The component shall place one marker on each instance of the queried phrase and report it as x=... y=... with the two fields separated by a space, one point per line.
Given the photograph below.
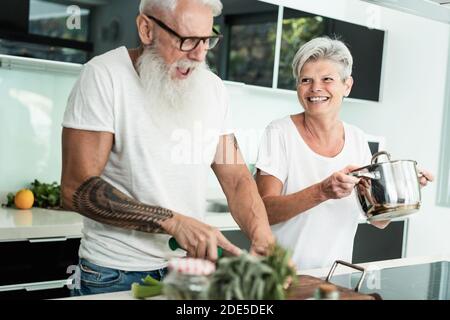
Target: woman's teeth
x=317 y=99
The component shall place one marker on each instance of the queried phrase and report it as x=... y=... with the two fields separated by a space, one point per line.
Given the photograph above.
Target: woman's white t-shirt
x=325 y=233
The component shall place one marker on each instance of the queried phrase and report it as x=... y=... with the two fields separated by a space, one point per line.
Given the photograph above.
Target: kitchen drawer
x=42 y=263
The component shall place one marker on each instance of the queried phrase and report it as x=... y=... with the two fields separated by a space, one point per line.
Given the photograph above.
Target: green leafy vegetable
x=149 y=288
x=10 y=198
x=47 y=195
x=253 y=278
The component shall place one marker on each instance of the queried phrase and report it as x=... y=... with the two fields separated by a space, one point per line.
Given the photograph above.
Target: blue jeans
x=96 y=279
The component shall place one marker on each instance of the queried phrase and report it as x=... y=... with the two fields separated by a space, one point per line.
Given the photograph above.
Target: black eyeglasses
x=190 y=43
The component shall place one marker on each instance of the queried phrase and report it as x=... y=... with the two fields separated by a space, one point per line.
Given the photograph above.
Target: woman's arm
x=283 y=207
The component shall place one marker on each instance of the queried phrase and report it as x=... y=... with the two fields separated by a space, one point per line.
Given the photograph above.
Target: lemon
x=24 y=199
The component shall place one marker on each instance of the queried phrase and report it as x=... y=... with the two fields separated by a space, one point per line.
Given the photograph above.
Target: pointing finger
x=227 y=245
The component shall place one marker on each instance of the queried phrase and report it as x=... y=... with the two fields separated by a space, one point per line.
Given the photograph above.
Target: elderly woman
x=304 y=159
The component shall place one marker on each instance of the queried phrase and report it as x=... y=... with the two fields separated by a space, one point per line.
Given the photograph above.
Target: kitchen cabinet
x=373 y=244
x=370 y=244
x=40 y=263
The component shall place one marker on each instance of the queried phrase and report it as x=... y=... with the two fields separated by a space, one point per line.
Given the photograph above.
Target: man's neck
x=135 y=53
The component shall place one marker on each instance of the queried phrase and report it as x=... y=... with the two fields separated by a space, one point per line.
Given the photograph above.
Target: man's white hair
x=148 y=5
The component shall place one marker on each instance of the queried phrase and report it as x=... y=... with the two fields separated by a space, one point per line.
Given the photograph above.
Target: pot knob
x=378 y=154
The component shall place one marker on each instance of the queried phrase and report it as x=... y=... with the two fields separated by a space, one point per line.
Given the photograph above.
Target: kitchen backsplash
x=32 y=104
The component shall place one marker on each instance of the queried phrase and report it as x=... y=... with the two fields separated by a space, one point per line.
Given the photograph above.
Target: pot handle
x=375 y=175
x=378 y=154
x=358 y=285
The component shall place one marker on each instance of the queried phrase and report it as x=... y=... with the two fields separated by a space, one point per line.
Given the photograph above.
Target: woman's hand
x=339 y=184
x=425 y=177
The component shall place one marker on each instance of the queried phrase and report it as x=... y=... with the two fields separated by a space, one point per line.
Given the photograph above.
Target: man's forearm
x=248 y=209
x=102 y=202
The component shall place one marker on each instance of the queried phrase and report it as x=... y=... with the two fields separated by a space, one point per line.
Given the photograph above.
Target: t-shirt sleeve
x=272 y=157
x=227 y=124
x=90 y=105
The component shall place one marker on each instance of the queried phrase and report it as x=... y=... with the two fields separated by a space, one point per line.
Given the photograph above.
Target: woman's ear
x=348 y=86
x=145 y=29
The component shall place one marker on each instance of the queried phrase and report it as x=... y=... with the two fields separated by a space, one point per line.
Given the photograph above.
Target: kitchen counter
x=322 y=273
x=16 y=225
x=43 y=223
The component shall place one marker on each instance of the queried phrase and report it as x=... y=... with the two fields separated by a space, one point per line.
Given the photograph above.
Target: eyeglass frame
x=182 y=39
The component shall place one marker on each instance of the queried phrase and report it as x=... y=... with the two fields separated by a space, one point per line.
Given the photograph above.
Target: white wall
x=409 y=115
x=31 y=109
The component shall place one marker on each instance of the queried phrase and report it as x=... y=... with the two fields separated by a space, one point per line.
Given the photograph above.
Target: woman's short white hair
x=323 y=48
x=148 y=5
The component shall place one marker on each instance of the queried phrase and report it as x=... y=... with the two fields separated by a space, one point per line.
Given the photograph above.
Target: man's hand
x=262 y=246
x=197 y=238
x=339 y=184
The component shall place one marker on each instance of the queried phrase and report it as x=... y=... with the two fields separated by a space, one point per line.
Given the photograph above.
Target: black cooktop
x=429 y=281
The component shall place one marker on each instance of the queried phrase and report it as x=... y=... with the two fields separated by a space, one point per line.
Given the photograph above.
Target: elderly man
x=141 y=129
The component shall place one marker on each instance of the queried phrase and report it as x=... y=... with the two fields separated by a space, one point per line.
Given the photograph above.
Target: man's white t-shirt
x=150 y=160
x=325 y=233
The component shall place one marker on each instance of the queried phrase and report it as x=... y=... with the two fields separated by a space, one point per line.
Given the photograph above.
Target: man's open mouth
x=184 y=71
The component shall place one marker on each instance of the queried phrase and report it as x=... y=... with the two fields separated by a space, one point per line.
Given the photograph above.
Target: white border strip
x=276 y=63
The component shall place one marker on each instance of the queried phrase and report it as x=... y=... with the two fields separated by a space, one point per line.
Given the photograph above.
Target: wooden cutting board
x=306 y=285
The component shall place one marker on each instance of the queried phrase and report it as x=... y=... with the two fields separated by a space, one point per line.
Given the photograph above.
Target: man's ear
x=145 y=29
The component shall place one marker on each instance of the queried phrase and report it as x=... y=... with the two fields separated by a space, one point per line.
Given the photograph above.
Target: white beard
x=175 y=102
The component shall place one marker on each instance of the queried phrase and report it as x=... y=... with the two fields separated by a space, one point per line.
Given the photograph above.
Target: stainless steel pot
x=389 y=189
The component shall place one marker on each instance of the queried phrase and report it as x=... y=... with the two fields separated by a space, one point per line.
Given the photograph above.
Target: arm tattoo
x=98 y=200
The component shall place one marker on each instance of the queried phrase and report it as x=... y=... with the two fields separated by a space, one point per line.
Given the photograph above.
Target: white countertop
x=38 y=223
x=16 y=225
x=321 y=273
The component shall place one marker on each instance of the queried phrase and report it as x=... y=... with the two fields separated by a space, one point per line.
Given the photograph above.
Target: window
x=247 y=51
x=298 y=28
x=50 y=19
x=45 y=30
x=249 y=47
x=366 y=46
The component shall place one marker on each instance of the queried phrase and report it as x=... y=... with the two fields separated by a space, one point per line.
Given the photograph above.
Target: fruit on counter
x=247 y=277
x=24 y=199
x=46 y=195
x=148 y=288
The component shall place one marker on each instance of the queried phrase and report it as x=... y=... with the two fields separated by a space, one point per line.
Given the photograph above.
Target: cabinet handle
x=38 y=240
